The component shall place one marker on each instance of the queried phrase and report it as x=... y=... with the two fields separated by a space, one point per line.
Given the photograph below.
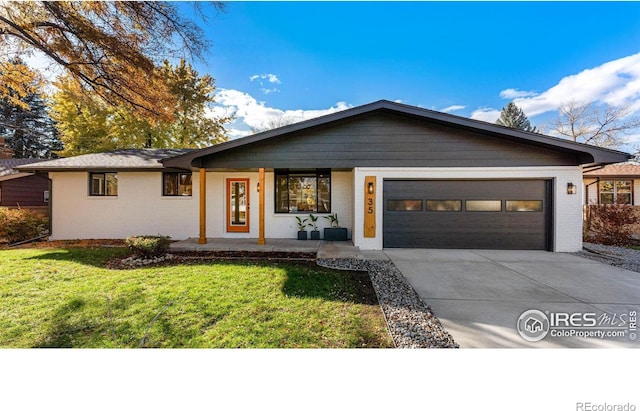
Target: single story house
x=396 y=175
x=613 y=183
x=23 y=189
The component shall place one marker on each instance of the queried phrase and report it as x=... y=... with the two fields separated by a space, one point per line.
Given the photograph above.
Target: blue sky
x=303 y=59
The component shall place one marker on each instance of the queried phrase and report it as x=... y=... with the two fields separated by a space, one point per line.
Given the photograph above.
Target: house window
x=176 y=184
x=103 y=184
x=615 y=192
x=303 y=191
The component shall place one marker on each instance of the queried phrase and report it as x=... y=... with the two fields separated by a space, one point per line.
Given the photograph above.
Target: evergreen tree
x=512 y=116
x=25 y=122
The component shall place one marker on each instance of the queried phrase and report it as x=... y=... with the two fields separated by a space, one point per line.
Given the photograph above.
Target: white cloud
x=454 y=107
x=512 y=93
x=270 y=90
x=616 y=82
x=251 y=113
x=487 y=114
x=271 y=78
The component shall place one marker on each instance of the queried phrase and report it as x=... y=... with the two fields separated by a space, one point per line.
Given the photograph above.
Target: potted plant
x=335 y=232
x=315 y=234
x=302 y=225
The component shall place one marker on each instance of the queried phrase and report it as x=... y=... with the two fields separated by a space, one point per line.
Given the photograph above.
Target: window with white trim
x=615 y=191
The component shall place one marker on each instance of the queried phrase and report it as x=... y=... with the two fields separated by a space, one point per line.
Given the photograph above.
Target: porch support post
x=203 y=207
x=261 y=240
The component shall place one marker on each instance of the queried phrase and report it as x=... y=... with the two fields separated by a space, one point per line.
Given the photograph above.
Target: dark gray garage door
x=487 y=214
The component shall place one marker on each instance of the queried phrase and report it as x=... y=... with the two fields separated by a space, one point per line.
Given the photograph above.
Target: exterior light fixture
x=258 y=187
x=370 y=187
x=571 y=188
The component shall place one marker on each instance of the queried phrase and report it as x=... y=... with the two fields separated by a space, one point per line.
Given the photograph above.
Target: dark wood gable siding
x=385 y=140
x=24 y=191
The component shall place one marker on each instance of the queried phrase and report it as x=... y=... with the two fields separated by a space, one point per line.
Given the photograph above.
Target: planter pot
x=335 y=234
x=315 y=235
x=302 y=235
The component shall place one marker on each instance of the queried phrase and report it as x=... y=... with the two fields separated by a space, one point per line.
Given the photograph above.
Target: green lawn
x=66 y=298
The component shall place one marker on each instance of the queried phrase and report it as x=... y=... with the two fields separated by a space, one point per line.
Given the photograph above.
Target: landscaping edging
x=411 y=323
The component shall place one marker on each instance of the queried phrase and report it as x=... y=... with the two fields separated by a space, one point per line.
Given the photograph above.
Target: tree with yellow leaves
x=111 y=48
x=87 y=124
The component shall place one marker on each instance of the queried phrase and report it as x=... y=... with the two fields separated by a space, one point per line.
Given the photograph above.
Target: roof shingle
x=147 y=158
x=7 y=165
x=618 y=169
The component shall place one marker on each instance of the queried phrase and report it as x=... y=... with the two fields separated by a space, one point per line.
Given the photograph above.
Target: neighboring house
x=22 y=189
x=396 y=175
x=613 y=183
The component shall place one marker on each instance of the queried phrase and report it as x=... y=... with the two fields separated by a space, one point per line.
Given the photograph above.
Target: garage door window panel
x=444 y=205
x=483 y=206
x=404 y=205
x=524 y=205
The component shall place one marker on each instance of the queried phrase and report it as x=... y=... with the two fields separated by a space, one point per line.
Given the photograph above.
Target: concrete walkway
x=247 y=244
x=323 y=249
x=479 y=295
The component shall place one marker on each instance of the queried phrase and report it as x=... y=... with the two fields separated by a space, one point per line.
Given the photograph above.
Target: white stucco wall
x=276 y=225
x=138 y=209
x=567 y=213
x=141 y=209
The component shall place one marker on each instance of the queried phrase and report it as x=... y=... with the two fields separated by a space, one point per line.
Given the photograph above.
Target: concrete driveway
x=479 y=296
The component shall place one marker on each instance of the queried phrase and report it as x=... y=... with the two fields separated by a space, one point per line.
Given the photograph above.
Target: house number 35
x=370 y=206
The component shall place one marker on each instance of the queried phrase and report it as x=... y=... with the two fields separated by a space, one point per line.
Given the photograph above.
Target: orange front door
x=238 y=205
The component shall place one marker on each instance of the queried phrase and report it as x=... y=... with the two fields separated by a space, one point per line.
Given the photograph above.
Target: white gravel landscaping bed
x=411 y=323
x=626 y=258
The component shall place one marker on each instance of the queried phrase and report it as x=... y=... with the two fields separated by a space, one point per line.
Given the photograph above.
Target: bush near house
x=611 y=224
x=21 y=224
x=148 y=245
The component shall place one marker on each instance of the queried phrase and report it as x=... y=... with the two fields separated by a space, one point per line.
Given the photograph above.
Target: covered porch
x=322 y=249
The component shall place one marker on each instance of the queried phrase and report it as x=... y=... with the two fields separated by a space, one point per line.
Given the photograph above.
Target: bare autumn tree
x=275 y=121
x=603 y=126
x=110 y=47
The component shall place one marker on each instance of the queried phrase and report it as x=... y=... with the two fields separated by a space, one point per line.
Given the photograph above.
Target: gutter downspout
x=50 y=205
x=586 y=191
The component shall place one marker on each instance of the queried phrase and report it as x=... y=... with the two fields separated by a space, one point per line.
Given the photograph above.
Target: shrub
x=21 y=224
x=148 y=245
x=610 y=224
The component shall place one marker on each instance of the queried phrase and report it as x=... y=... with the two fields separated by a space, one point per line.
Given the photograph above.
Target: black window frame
x=104 y=183
x=317 y=173
x=177 y=175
